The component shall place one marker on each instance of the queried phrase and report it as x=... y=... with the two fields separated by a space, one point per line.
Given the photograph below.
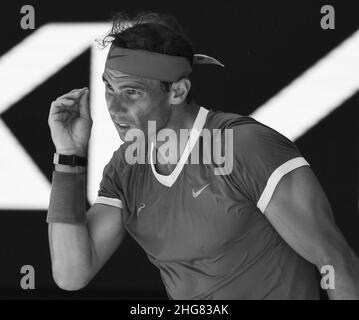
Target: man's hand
x=70 y=122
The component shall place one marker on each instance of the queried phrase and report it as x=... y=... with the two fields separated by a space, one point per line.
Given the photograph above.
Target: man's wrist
x=69 y=169
x=68 y=152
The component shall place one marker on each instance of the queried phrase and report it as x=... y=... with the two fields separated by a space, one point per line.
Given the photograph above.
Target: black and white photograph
x=179 y=150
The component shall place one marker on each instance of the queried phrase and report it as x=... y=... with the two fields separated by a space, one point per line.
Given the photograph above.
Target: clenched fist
x=70 y=122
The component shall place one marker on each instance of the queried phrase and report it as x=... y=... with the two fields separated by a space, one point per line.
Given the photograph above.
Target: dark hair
x=153 y=32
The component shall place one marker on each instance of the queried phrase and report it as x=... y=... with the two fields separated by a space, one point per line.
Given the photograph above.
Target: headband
x=153 y=65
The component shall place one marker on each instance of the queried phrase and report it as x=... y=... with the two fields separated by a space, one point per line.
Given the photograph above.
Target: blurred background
x=281 y=67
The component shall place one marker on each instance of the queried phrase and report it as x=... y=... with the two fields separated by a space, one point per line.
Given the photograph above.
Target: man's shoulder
x=247 y=131
x=246 y=125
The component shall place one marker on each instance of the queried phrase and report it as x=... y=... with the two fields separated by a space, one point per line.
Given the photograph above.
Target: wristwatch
x=70 y=160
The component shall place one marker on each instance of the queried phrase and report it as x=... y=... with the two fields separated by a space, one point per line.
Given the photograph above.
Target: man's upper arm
x=106 y=229
x=270 y=170
x=301 y=214
x=106 y=217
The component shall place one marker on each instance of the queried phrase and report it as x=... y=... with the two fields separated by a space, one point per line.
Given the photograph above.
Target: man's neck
x=182 y=117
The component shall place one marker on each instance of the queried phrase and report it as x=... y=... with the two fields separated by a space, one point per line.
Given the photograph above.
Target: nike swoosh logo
x=140 y=208
x=195 y=194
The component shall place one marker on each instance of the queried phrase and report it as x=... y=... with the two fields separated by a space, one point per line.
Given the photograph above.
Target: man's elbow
x=340 y=258
x=71 y=281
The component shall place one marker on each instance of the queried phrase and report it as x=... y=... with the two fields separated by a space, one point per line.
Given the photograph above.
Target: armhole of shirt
x=109 y=201
x=274 y=179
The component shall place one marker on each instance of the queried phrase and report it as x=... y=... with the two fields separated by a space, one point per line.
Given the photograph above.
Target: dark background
x=264 y=45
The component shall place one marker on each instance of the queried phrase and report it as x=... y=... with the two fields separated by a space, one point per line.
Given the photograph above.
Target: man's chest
x=198 y=216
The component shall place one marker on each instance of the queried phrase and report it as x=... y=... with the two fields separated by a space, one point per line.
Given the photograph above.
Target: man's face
x=133 y=101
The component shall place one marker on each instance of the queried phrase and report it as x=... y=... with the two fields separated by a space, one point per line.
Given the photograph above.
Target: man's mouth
x=122 y=126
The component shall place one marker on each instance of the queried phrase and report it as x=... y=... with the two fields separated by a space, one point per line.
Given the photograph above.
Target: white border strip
x=169 y=180
x=40 y=55
x=20 y=173
x=314 y=94
x=109 y=201
x=275 y=178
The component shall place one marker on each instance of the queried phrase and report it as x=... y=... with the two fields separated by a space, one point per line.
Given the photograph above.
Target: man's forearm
x=69 y=169
x=70 y=243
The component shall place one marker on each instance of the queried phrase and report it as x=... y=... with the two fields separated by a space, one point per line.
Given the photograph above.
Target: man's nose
x=116 y=107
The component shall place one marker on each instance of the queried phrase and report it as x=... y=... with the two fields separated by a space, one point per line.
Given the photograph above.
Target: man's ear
x=179 y=91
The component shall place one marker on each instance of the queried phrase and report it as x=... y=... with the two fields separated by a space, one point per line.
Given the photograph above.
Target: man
x=254 y=231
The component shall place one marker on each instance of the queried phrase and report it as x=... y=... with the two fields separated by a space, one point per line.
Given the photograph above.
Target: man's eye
x=132 y=92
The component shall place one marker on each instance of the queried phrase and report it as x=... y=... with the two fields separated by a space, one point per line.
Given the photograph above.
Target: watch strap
x=70 y=160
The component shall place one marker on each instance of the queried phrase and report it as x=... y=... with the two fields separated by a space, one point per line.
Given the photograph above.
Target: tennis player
x=255 y=226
